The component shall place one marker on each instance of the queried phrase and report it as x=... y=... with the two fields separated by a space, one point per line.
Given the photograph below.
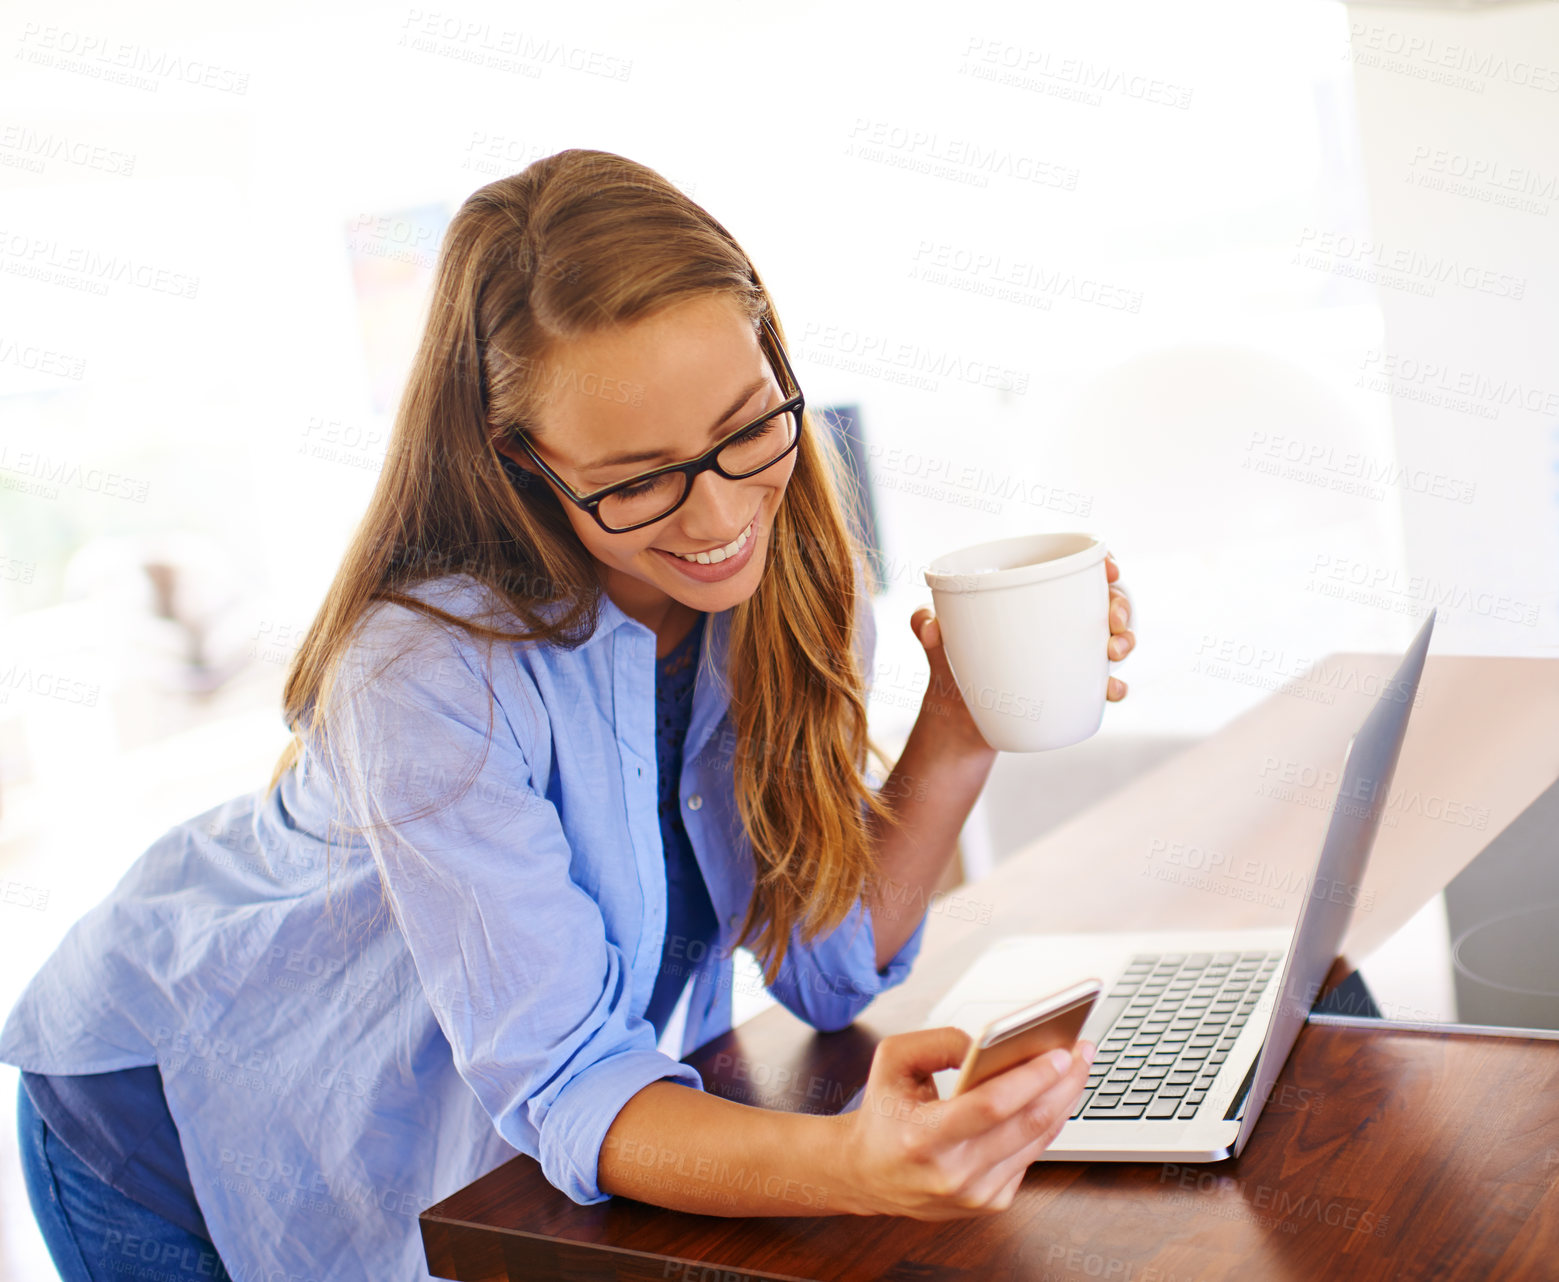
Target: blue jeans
x=94 y=1232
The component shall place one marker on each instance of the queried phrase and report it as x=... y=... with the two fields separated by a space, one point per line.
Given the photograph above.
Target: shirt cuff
x=575 y=1126
x=898 y=967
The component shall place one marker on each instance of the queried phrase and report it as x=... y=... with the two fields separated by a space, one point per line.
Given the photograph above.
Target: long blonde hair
x=575 y=242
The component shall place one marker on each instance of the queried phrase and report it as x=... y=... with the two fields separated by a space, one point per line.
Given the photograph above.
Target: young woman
x=583 y=710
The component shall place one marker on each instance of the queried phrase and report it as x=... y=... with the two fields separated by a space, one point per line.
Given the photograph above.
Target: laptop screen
x=1368 y=766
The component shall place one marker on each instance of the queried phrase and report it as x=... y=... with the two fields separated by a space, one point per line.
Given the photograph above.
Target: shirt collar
x=711 y=691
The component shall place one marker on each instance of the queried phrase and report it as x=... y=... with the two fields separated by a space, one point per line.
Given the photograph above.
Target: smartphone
x=1038 y=1027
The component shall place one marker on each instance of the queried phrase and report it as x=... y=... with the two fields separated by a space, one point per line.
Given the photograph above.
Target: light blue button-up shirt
x=351 y=1028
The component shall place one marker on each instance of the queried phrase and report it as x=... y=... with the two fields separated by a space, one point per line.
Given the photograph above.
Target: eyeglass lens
x=750 y=451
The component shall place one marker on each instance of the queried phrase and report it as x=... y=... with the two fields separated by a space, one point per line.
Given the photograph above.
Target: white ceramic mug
x=1026 y=625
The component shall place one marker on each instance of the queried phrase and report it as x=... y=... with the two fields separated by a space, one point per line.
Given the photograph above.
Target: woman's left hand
x=942 y=700
x=1122 y=642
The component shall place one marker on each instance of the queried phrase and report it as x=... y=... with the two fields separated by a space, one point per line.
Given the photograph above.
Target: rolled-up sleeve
x=834 y=978
x=512 y=954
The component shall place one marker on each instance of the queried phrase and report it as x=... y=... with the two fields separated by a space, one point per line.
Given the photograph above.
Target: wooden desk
x=1380 y=1155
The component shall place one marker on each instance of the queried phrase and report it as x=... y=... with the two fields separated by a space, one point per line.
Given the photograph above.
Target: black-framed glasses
x=654 y=495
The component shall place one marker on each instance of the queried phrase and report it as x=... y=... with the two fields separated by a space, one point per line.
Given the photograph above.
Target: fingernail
x=1089 y=1050
x=1061 y=1060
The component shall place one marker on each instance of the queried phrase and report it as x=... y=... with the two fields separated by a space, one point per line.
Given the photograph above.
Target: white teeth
x=719 y=554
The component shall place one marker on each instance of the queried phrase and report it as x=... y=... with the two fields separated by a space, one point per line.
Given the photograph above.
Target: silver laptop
x=1194 y=1027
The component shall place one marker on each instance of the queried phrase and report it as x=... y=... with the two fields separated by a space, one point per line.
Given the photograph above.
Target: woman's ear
x=515 y=454
x=515 y=463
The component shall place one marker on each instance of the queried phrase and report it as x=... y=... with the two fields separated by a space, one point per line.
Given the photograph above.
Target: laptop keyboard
x=1175 y=1017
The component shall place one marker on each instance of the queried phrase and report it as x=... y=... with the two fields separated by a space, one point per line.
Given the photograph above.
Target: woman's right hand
x=910 y=1153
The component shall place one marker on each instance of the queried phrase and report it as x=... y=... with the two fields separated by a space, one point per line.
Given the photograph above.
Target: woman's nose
x=716 y=510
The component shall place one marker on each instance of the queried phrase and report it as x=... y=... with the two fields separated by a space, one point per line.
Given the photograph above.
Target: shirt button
x=694 y=802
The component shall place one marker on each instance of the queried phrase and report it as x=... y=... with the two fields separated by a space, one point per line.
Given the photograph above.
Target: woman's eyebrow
x=650 y=456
